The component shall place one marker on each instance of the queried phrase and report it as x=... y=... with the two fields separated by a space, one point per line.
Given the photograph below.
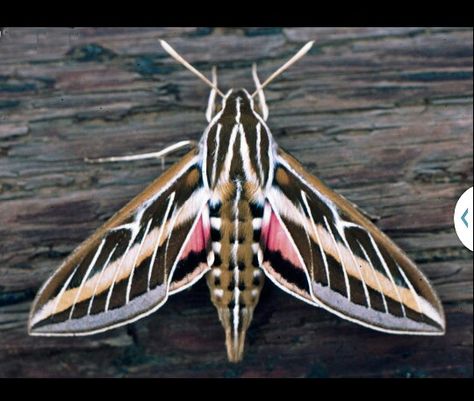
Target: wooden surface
x=383 y=115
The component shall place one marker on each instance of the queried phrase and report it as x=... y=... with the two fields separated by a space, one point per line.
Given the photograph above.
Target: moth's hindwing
x=320 y=248
x=155 y=246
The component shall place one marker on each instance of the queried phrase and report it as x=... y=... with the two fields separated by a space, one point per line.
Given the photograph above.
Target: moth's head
x=238 y=101
x=233 y=94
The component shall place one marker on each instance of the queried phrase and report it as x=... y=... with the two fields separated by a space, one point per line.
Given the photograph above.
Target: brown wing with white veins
x=321 y=249
x=155 y=246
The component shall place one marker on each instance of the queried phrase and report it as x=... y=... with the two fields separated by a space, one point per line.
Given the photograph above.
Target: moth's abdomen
x=236 y=260
x=235 y=279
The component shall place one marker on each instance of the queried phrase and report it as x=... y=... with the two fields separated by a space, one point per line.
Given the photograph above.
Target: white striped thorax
x=236 y=208
x=247 y=144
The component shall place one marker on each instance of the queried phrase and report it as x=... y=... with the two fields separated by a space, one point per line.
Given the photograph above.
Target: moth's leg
x=153 y=155
x=211 y=103
x=261 y=96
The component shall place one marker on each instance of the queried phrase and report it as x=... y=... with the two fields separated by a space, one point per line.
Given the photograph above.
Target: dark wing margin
x=351 y=268
x=155 y=246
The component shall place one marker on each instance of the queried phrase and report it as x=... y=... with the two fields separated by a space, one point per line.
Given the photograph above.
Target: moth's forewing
x=124 y=271
x=328 y=250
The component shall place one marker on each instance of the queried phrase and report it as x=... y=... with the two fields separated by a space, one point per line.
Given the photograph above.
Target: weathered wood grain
x=383 y=115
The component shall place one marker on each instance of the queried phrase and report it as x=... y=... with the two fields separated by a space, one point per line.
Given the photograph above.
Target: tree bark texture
x=383 y=115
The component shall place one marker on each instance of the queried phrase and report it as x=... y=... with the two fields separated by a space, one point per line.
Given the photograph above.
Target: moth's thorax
x=237 y=144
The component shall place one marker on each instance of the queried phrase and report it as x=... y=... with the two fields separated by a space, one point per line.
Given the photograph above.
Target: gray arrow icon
x=463 y=218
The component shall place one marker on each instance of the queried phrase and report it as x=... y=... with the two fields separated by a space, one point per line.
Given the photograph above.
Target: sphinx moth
x=237 y=209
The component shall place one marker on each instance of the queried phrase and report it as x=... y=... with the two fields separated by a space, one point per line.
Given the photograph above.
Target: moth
x=237 y=209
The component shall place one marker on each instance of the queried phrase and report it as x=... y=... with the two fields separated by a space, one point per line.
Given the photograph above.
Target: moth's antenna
x=182 y=61
x=287 y=65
